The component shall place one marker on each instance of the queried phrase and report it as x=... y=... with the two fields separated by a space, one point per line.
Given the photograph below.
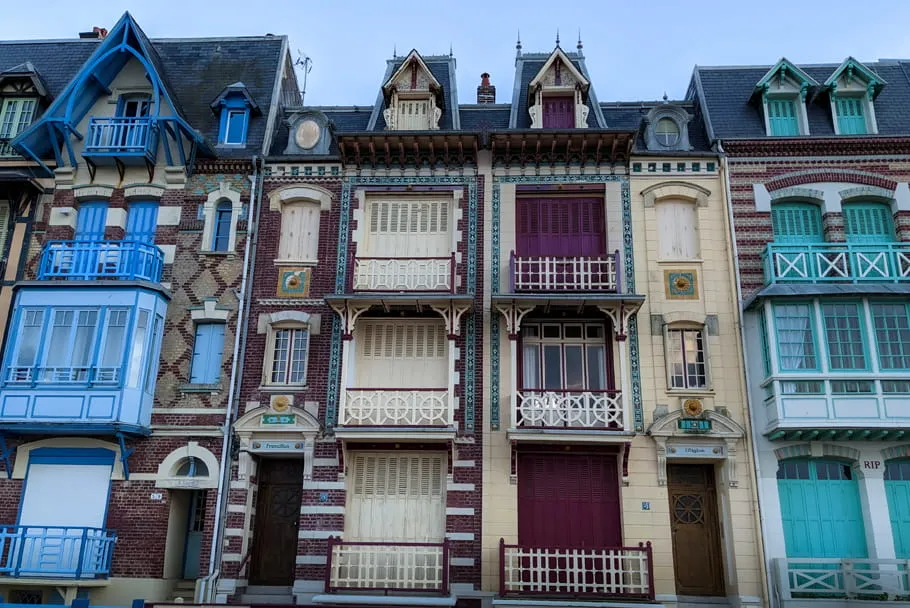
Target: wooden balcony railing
x=405 y=274
x=564 y=274
x=542 y=408
x=122 y=136
x=91 y=260
x=837 y=263
x=399 y=407
x=851 y=579
x=387 y=566
x=49 y=552
x=6 y=150
x=69 y=376
x=615 y=572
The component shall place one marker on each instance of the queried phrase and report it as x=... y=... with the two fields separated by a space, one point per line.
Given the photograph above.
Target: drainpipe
x=205 y=592
x=754 y=471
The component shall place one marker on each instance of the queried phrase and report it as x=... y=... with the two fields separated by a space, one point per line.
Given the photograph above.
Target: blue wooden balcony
x=837 y=263
x=121 y=140
x=49 y=552
x=94 y=260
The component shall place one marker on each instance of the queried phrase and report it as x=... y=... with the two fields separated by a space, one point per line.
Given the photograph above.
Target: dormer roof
x=413 y=61
x=28 y=72
x=440 y=72
x=855 y=69
x=238 y=88
x=785 y=69
x=559 y=55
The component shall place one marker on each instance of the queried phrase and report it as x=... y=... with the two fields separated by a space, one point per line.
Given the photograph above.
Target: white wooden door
x=402 y=354
x=396 y=496
x=409 y=228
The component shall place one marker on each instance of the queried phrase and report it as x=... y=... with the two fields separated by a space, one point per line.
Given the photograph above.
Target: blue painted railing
x=48 y=552
x=837 y=263
x=122 y=136
x=88 y=260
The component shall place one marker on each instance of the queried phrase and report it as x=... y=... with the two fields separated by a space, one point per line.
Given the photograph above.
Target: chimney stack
x=97 y=33
x=486 y=92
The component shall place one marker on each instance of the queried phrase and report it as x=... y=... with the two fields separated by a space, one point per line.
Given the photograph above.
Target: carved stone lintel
x=513 y=314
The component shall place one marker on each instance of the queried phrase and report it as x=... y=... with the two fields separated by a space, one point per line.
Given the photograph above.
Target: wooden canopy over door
x=274 y=553
x=697 y=556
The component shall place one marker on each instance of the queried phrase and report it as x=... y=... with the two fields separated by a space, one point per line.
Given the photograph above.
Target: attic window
x=667 y=132
x=853 y=88
x=234 y=106
x=783 y=91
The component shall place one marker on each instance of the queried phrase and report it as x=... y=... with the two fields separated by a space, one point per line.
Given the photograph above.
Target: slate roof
x=726 y=96
x=485 y=117
x=631 y=115
x=196 y=70
x=443 y=69
x=527 y=65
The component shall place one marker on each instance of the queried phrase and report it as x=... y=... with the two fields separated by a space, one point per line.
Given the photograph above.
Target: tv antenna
x=306 y=64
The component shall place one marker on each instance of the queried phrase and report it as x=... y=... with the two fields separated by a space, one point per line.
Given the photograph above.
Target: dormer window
x=783 y=90
x=558 y=95
x=667 y=132
x=852 y=88
x=413 y=97
x=667 y=128
x=16 y=114
x=235 y=106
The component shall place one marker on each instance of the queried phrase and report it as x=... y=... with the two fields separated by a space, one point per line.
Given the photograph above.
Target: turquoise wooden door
x=897 y=489
x=820 y=506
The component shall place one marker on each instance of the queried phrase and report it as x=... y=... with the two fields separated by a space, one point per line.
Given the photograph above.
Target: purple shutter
x=560 y=227
x=559 y=112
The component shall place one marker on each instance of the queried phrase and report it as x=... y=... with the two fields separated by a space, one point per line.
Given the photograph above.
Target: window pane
x=236 y=121
x=575 y=379
x=280 y=355
x=151 y=371
x=137 y=348
x=222 y=227
x=696 y=376
x=32 y=321
x=59 y=346
x=845 y=339
x=892 y=335
x=552 y=365
x=597 y=369
x=112 y=353
x=675 y=359
x=298 y=357
x=85 y=338
x=795 y=340
x=530 y=366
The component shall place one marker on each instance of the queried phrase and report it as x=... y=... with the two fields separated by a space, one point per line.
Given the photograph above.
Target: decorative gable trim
x=558 y=53
x=417 y=106
x=412 y=57
x=236 y=89
x=26 y=72
x=783 y=69
x=854 y=69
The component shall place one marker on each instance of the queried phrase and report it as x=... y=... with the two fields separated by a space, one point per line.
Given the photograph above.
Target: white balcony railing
x=564 y=274
x=404 y=274
x=617 y=572
x=851 y=579
x=384 y=566
x=396 y=407
x=569 y=409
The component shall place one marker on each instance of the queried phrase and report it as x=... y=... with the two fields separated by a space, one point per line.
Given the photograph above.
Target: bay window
x=565 y=357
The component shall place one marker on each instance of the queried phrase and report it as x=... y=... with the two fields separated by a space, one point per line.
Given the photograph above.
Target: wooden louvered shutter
x=141 y=222
x=797 y=223
x=851 y=119
x=402 y=355
x=868 y=223
x=90 y=221
x=410 y=228
x=560 y=227
x=396 y=496
x=677 y=229
x=782 y=117
x=299 y=239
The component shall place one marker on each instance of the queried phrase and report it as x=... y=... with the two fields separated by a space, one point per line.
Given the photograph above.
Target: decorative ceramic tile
x=681 y=284
x=293 y=282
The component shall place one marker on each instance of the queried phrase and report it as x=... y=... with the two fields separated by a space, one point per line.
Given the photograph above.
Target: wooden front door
x=697 y=556
x=277 y=520
x=568 y=500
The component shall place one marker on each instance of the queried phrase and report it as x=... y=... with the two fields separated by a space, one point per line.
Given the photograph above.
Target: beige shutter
x=416 y=228
x=402 y=354
x=299 y=232
x=413 y=114
x=396 y=496
x=677 y=229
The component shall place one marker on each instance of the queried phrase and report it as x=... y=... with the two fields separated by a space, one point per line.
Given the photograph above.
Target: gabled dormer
x=22 y=92
x=783 y=90
x=118 y=111
x=852 y=89
x=558 y=95
x=413 y=97
x=234 y=106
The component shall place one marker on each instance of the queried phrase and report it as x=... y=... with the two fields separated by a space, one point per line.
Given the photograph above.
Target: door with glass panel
x=566 y=377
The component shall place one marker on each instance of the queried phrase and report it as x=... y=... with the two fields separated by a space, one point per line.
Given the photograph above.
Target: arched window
x=192 y=467
x=667 y=132
x=222 y=233
x=797 y=223
x=868 y=222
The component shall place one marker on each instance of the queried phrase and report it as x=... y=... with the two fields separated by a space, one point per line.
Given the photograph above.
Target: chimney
x=486 y=93
x=97 y=33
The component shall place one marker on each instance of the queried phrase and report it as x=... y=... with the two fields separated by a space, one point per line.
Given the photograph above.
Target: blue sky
x=634 y=50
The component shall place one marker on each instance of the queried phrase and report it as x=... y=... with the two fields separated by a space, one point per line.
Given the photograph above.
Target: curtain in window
x=530 y=366
x=795 y=339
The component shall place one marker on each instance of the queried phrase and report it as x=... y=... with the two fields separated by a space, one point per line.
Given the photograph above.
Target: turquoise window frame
x=897 y=348
x=232 y=106
x=806 y=229
x=763 y=341
x=862 y=232
x=826 y=316
x=851 y=114
x=779 y=123
x=813 y=329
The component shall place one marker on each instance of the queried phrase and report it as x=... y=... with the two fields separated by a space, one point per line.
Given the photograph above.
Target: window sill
x=227 y=254
x=296 y=262
x=691 y=392
x=282 y=388
x=226 y=146
x=200 y=388
x=680 y=261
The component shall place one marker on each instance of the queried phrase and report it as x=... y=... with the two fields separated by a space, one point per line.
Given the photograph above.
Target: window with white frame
x=677 y=225
x=687 y=365
x=16 y=114
x=564 y=357
x=299 y=239
x=288 y=351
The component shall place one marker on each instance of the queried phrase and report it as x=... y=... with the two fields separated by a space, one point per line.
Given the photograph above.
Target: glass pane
x=892 y=335
x=112 y=353
x=137 y=348
x=696 y=376
x=844 y=336
x=59 y=347
x=235 y=123
x=530 y=366
x=597 y=369
x=280 y=355
x=572 y=332
x=552 y=366
x=298 y=357
x=675 y=359
x=575 y=370
x=795 y=340
x=151 y=361
x=32 y=320
x=85 y=338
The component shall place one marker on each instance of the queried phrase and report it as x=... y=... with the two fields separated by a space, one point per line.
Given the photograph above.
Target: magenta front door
x=568 y=500
x=559 y=112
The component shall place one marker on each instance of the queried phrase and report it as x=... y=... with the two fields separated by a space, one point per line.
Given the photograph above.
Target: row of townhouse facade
x=549 y=352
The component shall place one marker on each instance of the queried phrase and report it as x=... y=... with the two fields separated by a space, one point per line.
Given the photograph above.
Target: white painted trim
x=467 y=464
x=460 y=511
x=167 y=470
x=170 y=253
x=116 y=218
x=458 y=487
x=300 y=193
x=224 y=192
x=169 y=216
x=311 y=560
x=319 y=534
x=22 y=452
x=460 y=535
x=466 y=562
x=209 y=312
x=143 y=191
x=326 y=485
x=321 y=510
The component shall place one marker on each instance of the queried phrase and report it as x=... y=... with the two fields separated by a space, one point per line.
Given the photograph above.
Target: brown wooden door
x=277 y=519
x=568 y=500
x=697 y=556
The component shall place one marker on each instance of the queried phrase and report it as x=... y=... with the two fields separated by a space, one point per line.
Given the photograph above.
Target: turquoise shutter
x=782 y=117
x=897 y=491
x=868 y=223
x=90 y=221
x=141 y=222
x=851 y=119
x=797 y=222
x=208 y=351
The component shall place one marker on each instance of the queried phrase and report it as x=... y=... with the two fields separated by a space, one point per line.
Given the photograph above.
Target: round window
x=667 y=132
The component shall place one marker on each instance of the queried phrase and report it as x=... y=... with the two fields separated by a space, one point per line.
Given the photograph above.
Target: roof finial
x=557 y=37
x=580 y=45
x=450 y=50
x=394 y=51
x=665 y=97
x=518 y=44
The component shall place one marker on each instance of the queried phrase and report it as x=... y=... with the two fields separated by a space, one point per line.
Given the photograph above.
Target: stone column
x=871 y=481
